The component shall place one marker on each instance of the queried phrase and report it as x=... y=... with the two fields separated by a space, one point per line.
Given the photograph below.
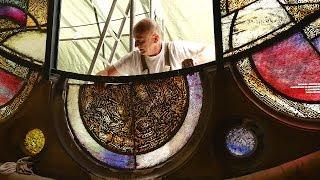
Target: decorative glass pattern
x=22 y=38
x=316 y=43
x=241 y=142
x=23 y=29
x=13 y=105
x=299 y=9
x=135 y=125
x=15 y=86
x=312 y=30
x=292 y=67
x=9 y=86
x=246 y=24
x=137 y=118
x=34 y=142
x=273 y=99
x=284 y=75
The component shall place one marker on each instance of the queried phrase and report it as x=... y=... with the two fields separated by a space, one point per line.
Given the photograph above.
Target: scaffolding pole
x=101 y=40
x=119 y=35
x=132 y=21
x=151 y=10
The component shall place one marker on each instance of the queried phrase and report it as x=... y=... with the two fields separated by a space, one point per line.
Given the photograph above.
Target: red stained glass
x=14 y=13
x=9 y=86
x=291 y=67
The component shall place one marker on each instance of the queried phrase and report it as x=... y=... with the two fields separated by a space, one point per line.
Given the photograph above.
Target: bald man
x=154 y=56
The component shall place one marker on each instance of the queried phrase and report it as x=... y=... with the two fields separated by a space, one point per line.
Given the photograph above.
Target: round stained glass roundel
x=241 y=142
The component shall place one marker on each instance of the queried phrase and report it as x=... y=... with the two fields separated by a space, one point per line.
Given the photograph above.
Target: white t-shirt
x=131 y=63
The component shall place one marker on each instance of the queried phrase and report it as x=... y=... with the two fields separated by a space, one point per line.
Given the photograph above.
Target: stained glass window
x=276 y=44
x=15 y=86
x=248 y=23
x=22 y=41
x=241 y=142
x=135 y=125
x=23 y=29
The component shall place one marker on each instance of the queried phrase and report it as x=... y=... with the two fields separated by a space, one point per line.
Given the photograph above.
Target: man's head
x=147 y=37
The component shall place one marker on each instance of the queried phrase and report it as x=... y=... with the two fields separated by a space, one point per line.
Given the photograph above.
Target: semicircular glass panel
x=134 y=125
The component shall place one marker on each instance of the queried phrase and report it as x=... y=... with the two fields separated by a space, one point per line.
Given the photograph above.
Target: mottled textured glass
x=135 y=118
x=300 y=11
x=9 y=86
x=23 y=29
x=13 y=105
x=34 y=142
x=238 y=4
x=241 y=142
x=316 y=43
x=251 y=23
x=292 y=67
x=146 y=148
x=22 y=36
x=313 y=29
x=87 y=141
x=273 y=99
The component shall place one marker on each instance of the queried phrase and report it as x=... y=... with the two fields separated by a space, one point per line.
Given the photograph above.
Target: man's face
x=146 y=43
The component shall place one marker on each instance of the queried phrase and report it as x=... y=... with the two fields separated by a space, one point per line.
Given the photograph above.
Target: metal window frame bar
x=52 y=40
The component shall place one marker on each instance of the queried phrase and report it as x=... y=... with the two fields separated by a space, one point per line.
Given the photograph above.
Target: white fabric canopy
x=79 y=33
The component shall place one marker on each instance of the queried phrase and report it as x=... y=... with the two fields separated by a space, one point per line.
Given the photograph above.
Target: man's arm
x=206 y=54
x=111 y=71
x=200 y=53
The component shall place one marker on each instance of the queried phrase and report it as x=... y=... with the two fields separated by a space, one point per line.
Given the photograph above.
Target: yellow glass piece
x=34 y=141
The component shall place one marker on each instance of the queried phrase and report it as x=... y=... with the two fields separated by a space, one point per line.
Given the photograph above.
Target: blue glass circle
x=241 y=141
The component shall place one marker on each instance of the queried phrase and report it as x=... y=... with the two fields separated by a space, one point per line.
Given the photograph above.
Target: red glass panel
x=291 y=67
x=9 y=86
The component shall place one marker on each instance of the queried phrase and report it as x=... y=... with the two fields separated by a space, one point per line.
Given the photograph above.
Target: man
x=154 y=55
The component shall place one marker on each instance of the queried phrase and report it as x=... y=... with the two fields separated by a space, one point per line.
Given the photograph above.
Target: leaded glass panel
x=135 y=125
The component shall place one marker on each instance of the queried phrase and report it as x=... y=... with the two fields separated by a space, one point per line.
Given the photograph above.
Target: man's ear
x=156 y=38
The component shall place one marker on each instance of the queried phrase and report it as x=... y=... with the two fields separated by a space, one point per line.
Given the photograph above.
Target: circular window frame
x=94 y=167
x=254 y=137
x=235 y=164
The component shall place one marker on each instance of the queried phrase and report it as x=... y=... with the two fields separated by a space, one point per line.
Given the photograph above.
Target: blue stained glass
x=117 y=160
x=241 y=141
x=316 y=43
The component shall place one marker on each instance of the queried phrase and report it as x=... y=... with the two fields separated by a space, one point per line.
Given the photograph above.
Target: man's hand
x=111 y=71
x=103 y=73
x=187 y=63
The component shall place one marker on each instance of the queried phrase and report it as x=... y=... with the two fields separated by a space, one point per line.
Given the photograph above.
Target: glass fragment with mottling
x=241 y=142
x=291 y=67
x=253 y=23
x=34 y=142
x=23 y=29
x=271 y=98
